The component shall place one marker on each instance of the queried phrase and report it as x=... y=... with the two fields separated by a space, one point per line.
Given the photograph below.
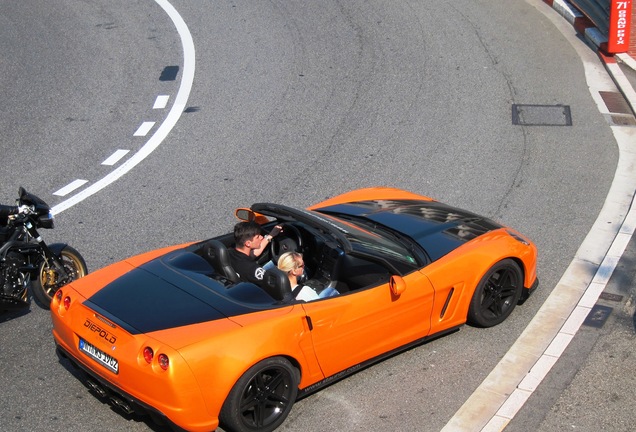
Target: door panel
x=356 y=326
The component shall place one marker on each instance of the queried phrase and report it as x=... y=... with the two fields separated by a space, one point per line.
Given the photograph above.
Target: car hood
x=438 y=228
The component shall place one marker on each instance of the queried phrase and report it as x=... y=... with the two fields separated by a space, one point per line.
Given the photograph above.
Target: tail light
x=164 y=361
x=148 y=355
x=67 y=302
x=58 y=295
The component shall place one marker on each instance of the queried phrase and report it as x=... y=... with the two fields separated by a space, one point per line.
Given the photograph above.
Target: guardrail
x=597 y=11
x=612 y=19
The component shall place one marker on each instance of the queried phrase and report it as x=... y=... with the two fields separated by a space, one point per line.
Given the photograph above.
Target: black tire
x=262 y=398
x=496 y=295
x=48 y=281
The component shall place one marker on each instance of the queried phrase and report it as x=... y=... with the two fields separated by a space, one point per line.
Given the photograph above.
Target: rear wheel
x=262 y=398
x=496 y=295
x=49 y=279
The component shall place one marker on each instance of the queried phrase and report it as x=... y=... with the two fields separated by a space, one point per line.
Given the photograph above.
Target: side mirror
x=397 y=285
x=246 y=215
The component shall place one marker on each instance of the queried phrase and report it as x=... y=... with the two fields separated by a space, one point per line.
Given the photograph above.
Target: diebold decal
x=100 y=331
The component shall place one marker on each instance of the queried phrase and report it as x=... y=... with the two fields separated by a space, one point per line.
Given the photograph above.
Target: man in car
x=249 y=244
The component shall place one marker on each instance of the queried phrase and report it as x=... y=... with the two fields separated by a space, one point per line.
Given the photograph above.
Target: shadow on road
x=9 y=315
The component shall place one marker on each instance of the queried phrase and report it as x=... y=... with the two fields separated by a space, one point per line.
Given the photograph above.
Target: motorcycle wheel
x=48 y=281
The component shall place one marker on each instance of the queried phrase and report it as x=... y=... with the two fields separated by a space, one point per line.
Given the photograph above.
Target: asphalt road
x=293 y=102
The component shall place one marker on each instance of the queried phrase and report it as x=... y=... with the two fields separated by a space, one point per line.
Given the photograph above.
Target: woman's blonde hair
x=289 y=261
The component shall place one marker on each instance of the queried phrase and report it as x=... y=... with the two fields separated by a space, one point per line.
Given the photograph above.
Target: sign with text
x=619 y=26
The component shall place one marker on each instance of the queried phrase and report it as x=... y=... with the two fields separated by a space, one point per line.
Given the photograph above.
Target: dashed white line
x=115 y=157
x=144 y=129
x=161 y=102
x=160 y=134
x=70 y=187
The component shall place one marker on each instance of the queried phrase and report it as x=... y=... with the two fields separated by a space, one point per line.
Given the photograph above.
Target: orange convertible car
x=172 y=334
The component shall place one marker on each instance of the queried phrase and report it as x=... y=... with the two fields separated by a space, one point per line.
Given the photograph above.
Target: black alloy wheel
x=496 y=295
x=262 y=398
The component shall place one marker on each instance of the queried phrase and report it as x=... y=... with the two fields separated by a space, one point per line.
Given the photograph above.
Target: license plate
x=100 y=356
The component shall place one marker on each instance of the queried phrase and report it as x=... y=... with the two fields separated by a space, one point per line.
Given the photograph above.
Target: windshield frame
x=343 y=231
x=401 y=248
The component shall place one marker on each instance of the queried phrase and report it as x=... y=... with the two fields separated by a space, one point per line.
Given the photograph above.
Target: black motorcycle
x=27 y=262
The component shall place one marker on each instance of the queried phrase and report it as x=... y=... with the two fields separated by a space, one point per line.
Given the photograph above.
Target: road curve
x=329 y=98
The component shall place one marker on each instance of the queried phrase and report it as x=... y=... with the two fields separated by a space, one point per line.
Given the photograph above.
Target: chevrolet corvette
x=174 y=334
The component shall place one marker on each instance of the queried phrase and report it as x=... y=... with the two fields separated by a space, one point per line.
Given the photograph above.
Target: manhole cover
x=597 y=316
x=541 y=115
x=611 y=297
x=615 y=102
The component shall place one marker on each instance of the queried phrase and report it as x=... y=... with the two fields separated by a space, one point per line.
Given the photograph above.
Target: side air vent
x=448 y=299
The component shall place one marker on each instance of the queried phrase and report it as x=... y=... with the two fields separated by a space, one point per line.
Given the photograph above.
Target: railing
x=597 y=11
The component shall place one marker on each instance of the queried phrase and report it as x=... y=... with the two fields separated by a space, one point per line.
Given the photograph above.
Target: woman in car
x=293 y=265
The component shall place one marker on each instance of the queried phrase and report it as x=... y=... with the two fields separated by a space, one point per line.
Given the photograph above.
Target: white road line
x=144 y=129
x=171 y=119
x=70 y=187
x=115 y=157
x=502 y=394
x=161 y=102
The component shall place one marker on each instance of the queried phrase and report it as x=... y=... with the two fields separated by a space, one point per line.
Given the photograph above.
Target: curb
x=627 y=60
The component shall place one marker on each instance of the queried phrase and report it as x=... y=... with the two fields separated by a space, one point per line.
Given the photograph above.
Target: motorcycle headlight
x=46 y=221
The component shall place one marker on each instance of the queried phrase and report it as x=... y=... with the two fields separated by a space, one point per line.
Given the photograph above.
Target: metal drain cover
x=597 y=316
x=541 y=115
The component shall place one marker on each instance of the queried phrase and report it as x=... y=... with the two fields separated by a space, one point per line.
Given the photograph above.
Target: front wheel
x=262 y=398
x=49 y=280
x=496 y=295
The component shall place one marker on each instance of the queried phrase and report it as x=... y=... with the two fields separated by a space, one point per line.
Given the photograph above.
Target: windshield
x=369 y=237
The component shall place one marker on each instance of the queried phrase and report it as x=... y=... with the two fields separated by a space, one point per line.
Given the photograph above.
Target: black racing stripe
x=438 y=228
x=174 y=290
x=146 y=303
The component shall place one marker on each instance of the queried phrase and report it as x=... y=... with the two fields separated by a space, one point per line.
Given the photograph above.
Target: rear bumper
x=114 y=395
x=525 y=294
x=170 y=397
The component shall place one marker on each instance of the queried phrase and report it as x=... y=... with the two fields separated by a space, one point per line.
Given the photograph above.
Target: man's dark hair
x=244 y=231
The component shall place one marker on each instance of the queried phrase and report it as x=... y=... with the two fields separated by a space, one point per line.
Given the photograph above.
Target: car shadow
x=13 y=314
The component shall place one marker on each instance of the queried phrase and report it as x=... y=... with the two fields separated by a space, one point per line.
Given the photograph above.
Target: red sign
x=619 y=26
